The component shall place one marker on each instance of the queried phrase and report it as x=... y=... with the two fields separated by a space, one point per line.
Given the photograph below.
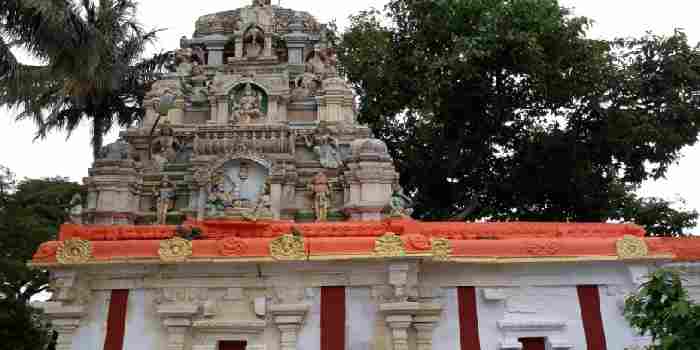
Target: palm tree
x=92 y=67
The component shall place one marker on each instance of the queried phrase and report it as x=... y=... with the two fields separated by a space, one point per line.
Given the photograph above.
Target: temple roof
x=241 y=241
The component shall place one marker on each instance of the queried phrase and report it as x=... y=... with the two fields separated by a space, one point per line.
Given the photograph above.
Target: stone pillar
x=216 y=55
x=66 y=329
x=177 y=331
x=222 y=115
x=239 y=47
x=399 y=325
x=213 y=109
x=267 y=50
x=177 y=321
x=276 y=199
x=402 y=315
x=289 y=318
x=424 y=326
x=64 y=320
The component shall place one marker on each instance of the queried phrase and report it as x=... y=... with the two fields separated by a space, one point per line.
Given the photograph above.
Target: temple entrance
x=533 y=343
x=232 y=345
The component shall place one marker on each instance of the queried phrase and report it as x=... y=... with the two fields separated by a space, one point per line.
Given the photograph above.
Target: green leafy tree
x=506 y=110
x=662 y=310
x=92 y=67
x=31 y=212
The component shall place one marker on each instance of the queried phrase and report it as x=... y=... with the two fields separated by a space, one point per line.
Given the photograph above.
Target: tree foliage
x=662 y=310
x=92 y=67
x=506 y=110
x=31 y=212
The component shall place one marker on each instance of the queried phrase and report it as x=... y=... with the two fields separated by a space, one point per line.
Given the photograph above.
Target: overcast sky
x=613 y=18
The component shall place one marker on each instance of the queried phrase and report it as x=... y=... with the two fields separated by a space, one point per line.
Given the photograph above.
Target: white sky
x=613 y=18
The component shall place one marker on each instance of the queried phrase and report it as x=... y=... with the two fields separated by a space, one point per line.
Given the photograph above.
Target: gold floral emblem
x=389 y=245
x=74 y=251
x=175 y=249
x=631 y=247
x=441 y=249
x=288 y=247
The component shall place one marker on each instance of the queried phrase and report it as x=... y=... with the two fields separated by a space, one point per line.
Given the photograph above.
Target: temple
x=250 y=210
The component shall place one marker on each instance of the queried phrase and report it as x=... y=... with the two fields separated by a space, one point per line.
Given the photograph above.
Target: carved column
x=402 y=315
x=399 y=325
x=267 y=52
x=222 y=114
x=177 y=321
x=424 y=326
x=216 y=55
x=177 y=331
x=213 y=110
x=65 y=329
x=239 y=46
x=64 y=320
x=289 y=319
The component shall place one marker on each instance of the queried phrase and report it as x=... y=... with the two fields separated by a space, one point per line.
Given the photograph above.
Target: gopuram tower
x=250 y=211
x=253 y=114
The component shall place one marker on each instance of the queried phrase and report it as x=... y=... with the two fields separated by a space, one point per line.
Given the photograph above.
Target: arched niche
x=238 y=89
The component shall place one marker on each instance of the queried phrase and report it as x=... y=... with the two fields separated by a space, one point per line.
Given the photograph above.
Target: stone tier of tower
x=254 y=123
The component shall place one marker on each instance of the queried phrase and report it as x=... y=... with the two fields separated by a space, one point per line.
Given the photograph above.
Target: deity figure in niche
x=246 y=106
x=253 y=42
x=262 y=208
x=325 y=147
x=166 y=200
x=321 y=191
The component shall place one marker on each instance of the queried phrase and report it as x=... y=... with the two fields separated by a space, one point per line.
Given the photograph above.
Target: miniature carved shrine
x=251 y=211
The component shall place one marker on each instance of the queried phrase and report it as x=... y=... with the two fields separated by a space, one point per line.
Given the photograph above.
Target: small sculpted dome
x=369 y=147
x=229 y=22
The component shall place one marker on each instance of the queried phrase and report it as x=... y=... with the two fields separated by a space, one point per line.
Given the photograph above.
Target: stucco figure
x=246 y=106
x=166 y=200
x=325 y=147
x=321 y=193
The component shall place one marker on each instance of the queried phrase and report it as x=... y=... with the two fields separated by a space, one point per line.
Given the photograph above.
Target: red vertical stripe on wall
x=332 y=318
x=468 y=320
x=589 y=300
x=116 y=320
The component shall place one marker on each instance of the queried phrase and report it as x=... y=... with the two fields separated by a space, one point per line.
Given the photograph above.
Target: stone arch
x=204 y=175
x=236 y=88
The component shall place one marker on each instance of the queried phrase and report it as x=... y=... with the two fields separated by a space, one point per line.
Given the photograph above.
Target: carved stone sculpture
x=246 y=106
x=325 y=147
x=321 y=192
x=76 y=209
x=118 y=150
x=400 y=203
x=164 y=148
x=262 y=208
x=166 y=200
x=253 y=42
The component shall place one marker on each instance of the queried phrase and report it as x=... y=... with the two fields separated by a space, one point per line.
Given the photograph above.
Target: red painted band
x=589 y=300
x=468 y=320
x=116 y=320
x=332 y=318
